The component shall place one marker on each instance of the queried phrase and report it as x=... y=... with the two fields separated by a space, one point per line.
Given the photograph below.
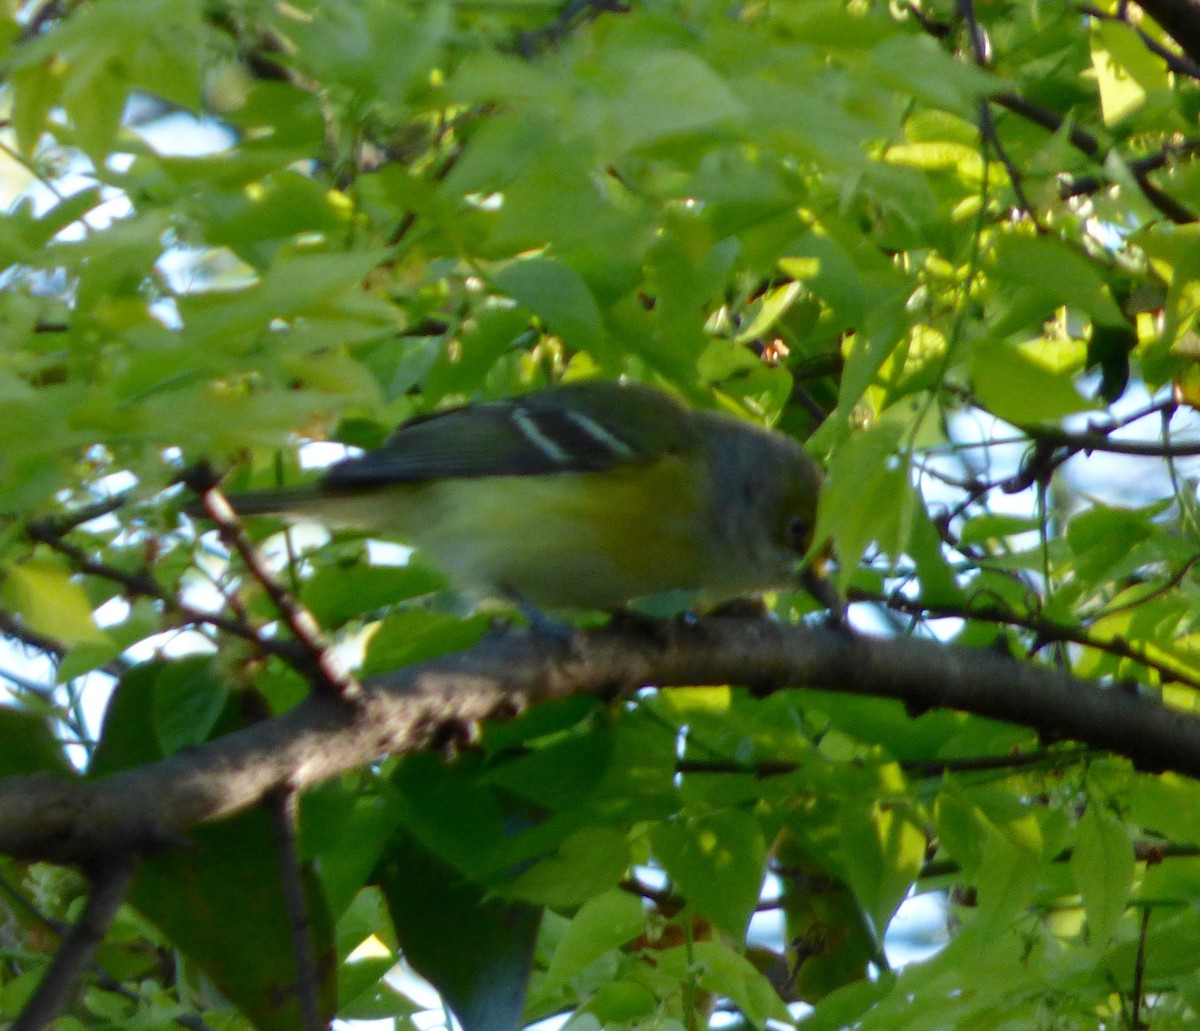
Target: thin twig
x=103 y=978
x=1089 y=442
x=1086 y=184
x=142 y=584
x=75 y=517
x=921 y=769
x=12 y=626
x=573 y=13
x=929 y=768
x=109 y=887
x=1051 y=121
x=987 y=124
x=1159 y=589
x=1087 y=143
x=1147 y=851
x=321 y=664
x=47 y=13
x=1178 y=19
x=45 y=693
x=31 y=167
x=1139 y=971
x=1180 y=64
x=1047 y=630
x=284 y=810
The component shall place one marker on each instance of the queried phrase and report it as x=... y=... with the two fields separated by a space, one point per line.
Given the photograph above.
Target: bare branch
x=1139 y=167
x=1087 y=442
x=46 y=817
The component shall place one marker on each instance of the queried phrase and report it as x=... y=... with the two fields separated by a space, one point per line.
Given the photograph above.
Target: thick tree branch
x=46 y=817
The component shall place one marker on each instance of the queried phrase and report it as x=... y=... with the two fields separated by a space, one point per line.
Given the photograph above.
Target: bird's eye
x=798 y=531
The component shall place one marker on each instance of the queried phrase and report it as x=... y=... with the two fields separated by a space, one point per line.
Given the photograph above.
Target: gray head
x=765 y=508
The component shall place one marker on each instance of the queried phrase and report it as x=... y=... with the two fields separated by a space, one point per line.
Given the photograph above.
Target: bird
x=585 y=495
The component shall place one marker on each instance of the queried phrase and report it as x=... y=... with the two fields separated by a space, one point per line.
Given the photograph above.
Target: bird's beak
x=814 y=577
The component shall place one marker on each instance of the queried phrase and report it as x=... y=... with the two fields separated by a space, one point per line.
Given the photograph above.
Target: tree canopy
x=951 y=246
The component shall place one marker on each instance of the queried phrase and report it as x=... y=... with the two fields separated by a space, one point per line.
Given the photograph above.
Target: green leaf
x=1039 y=274
x=917 y=65
x=410 y=637
x=241 y=938
x=127 y=737
x=335 y=595
x=602 y=924
x=1000 y=845
x=36 y=89
x=344 y=831
x=44 y=594
x=584 y=864
x=560 y=775
x=1168 y=804
x=93 y=93
x=1012 y=383
x=455 y=816
x=722 y=971
x=364 y=992
x=1126 y=71
x=769 y=309
x=558 y=296
x=189 y=697
x=618 y=1003
x=842 y=1008
x=717 y=862
x=29 y=745
x=866 y=497
x=1102 y=864
x=1102 y=537
x=664 y=94
x=995 y=526
x=476 y=950
x=293 y=284
x=881 y=857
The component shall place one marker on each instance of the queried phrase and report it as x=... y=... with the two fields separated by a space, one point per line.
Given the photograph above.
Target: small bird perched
x=580 y=496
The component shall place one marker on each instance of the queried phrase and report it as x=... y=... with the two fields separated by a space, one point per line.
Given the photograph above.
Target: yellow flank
x=619 y=534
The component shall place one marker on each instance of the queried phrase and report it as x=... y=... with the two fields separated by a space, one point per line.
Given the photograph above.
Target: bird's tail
x=283 y=501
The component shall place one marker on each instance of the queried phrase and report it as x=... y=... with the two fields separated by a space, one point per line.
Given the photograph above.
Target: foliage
x=952 y=249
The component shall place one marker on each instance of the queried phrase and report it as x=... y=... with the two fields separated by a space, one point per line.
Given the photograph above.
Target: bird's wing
x=586 y=427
